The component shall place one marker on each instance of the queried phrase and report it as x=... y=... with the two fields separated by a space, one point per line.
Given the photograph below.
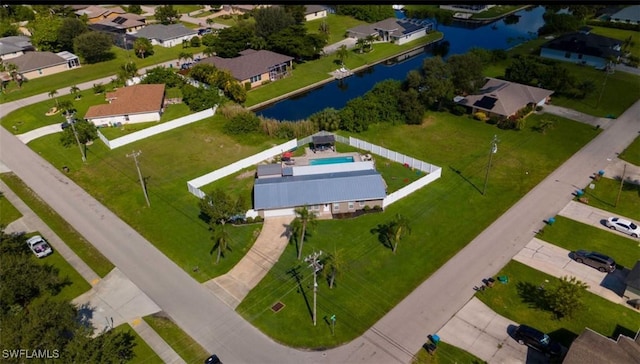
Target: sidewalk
x=578 y=116
x=40 y=132
x=591 y=216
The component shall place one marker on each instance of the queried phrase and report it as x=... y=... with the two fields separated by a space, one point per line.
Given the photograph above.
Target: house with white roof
x=398 y=31
x=166 y=35
x=628 y=15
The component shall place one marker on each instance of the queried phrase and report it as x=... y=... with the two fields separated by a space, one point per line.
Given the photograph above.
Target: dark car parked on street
x=538 y=340
x=596 y=260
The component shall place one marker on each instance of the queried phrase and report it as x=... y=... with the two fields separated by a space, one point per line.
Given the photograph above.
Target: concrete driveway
x=591 y=216
x=556 y=261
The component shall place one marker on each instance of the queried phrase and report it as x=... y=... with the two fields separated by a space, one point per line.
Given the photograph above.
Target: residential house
x=14 y=46
x=32 y=65
x=166 y=35
x=632 y=292
x=97 y=13
x=245 y=8
x=398 y=31
x=132 y=104
x=254 y=67
x=583 y=48
x=592 y=348
x=628 y=15
x=475 y=8
x=121 y=24
x=326 y=190
x=501 y=99
x=313 y=12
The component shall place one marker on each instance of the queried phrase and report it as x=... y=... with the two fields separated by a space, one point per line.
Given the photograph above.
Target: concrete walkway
x=234 y=286
x=591 y=216
x=157 y=344
x=577 y=116
x=40 y=132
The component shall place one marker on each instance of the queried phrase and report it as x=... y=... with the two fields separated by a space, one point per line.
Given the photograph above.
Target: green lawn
x=66 y=232
x=605 y=194
x=338 y=26
x=186 y=9
x=188 y=349
x=515 y=301
x=308 y=73
x=446 y=354
x=573 y=235
x=497 y=11
x=77 y=284
x=143 y=354
x=375 y=280
x=8 y=212
x=632 y=153
x=89 y=72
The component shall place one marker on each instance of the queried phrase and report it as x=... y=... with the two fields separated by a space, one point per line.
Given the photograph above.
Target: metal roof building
x=316 y=189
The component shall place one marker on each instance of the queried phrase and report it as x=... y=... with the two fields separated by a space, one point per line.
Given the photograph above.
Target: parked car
x=39 y=246
x=596 y=260
x=622 y=225
x=538 y=340
x=213 y=359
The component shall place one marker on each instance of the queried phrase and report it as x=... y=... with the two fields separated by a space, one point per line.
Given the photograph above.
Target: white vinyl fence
x=157 y=129
x=195 y=184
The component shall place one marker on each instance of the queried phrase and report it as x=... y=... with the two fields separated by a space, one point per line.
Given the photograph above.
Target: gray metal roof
x=286 y=192
x=14 y=44
x=631 y=13
x=269 y=170
x=164 y=32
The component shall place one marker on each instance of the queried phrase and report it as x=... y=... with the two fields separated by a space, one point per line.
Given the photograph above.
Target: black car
x=213 y=359
x=538 y=340
x=596 y=260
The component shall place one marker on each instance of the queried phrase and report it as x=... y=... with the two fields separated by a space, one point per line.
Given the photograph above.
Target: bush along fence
x=157 y=129
x=432 y=172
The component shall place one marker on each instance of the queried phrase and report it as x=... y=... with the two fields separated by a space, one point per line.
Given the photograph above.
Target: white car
x=624 y=226
x=39 y=246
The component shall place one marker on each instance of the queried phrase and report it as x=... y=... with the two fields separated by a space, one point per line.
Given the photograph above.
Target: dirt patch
x=246 y=174
x=428 y=121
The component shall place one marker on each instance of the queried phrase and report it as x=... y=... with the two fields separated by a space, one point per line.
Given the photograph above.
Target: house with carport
x=166 y=35
x=96 y=13
x=584 y=48
x=502 y=99
x=32 y=65
x=131 y=104
x=398 y=31
x=121 y=24
x=254 y=67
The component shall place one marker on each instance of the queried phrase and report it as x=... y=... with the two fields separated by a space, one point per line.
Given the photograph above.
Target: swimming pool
x=332 y=160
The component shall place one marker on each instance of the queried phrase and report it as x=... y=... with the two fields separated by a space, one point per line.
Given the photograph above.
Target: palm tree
x=75 y=91
x=66 y=106
x=398 y=228
x=210 y=21
x=370 y=39
x=52 y=94
x=13 y=71
x=342 y=53
x=361 y=43
x=221 y=239
x=304 y=220
x=324 y=28
x=337 y=265
x=185 y=55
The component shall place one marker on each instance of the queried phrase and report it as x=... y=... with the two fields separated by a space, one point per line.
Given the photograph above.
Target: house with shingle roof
x=592 y=348
x=254 y=67
x=500 y=98
x=132 y=104
x=14 y=46
x=166 y=35
x=628 y=15
x=97 y=13
x=583 y=48
x=398 y=31
x=38 y=64
x=121 y=24
x=313 y=12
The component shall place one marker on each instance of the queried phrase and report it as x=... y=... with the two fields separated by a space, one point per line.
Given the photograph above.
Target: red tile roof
x=135 y=99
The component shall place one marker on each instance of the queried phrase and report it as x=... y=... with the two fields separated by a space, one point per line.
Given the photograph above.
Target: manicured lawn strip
x=186 y=9
x=308 y=73
x=142 y=351
x=338 y=26
x=605 y=194
x=66 y=232
x=632 y=153
x=598 y=314
x=167 y=162
x=573 y=235
x=90 y=72
x=446 y=354
x=375 y=279
x=8 y=212
x=78 y=285
x=188 y=349
x=620 y=34
x=496 y=11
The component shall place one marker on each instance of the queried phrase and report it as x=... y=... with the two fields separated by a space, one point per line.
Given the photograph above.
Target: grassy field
x=374 y=279
x=66 y=232
x=143 y=353
x=573 y=235
x=338 y=26
x=89 y=72
x=605 y=194
x=632 y=153
x=516 y=301
x=8 y=212
x=188 y=349
x=446 y=354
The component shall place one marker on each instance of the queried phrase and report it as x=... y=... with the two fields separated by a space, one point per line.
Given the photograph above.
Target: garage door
x=279 y=212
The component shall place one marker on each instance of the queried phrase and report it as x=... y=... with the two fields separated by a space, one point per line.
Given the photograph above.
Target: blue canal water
x=332 y=160
x=496 y=35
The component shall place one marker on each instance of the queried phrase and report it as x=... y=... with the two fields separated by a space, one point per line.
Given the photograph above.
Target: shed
x=321 y=142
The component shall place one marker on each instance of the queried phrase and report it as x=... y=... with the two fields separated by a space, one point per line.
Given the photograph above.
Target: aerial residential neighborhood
x=261 y=183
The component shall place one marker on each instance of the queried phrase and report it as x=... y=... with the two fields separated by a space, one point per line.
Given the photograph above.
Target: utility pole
x=71 y=121
x=314 y=264
x=135 y=155
x=493 y=150
x=624 y=171
x=609 y=69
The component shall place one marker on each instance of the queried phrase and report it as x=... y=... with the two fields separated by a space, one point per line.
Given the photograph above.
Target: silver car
x=624 y=226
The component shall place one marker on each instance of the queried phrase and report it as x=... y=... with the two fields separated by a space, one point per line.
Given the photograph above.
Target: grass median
x=632 y=153
x=188 y=349
x=446 y=354
x=8 y=212
x=608 y=194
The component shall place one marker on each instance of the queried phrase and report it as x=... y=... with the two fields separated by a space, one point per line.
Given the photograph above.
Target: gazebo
x=322 y=142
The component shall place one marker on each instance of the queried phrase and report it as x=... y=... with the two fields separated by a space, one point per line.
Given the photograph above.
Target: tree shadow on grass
x=533 y=295
x=459 y=173
x=383 y=231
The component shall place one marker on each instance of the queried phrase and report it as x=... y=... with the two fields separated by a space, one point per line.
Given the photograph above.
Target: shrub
x=195 y=42
x=539 y=108
x=247 y=86
x=366 y=208
x=249 y=220
x=508 y=123
x=258 y=219
x=458 y=110
x=99 y=88
x=520 y=123
x=244 y=123
x=377 y=208
x=493 y=120
x=480 y=116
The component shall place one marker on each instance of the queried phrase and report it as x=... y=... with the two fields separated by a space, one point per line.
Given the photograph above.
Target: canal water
x=497 y=35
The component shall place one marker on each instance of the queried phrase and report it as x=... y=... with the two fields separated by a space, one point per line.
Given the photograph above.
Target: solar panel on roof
x=410 y=28
x=486 y=102
x=119 y=20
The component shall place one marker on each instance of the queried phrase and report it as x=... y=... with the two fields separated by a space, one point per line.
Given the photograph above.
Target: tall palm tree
x=185 y=55
x=342 y=53
x=305 y=220
x=337 y=265
x=221 y=239
x=75 y=91
x=361 y=43
x=13 y=71
x=398 y=229
x=52 y=95
x=370 y=39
